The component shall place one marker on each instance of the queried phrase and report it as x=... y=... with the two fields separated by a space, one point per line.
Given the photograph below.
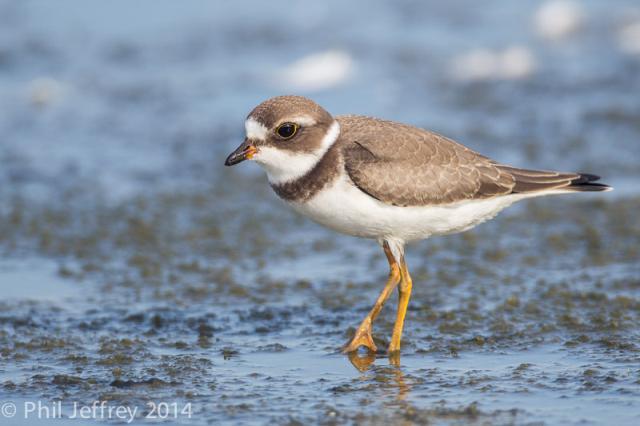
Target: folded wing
x=405 y=166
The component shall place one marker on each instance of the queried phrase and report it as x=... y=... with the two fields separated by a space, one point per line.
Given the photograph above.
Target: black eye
x=287 y=130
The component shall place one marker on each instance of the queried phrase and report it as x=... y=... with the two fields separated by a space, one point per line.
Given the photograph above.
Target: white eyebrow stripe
x=255 y=130
x=303 y=120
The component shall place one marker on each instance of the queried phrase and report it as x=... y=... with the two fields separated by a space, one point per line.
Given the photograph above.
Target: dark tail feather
x=545 y=180
x=586 y=182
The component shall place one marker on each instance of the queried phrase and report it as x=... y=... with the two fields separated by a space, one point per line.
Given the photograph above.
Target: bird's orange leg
x=363 y=337
x=404 y=290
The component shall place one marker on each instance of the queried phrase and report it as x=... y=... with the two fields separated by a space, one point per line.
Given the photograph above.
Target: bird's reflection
x=362 y=362
x=391 y=376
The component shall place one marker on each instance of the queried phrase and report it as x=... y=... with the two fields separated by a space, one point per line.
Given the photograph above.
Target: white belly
x=344 y=208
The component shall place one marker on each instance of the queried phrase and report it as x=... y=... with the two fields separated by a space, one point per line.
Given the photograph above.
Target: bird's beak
x=245 y=151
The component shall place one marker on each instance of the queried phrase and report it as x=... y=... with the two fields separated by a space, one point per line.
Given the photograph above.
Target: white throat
x=283 y=166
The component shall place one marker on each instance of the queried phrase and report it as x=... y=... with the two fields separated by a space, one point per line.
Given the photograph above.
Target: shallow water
x=136 y=269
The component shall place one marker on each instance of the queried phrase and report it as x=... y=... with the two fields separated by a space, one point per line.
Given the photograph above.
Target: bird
x=386 y=181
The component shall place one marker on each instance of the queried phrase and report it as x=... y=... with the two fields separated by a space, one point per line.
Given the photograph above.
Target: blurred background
x=134 y=265
x=121 y=93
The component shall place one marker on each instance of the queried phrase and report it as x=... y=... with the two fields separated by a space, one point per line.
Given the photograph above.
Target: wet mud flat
x=529 y=319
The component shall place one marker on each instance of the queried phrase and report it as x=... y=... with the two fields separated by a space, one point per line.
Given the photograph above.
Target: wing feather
x=406 y=166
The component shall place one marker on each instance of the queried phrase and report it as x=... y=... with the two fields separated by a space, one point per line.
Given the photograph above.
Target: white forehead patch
x=255 y=129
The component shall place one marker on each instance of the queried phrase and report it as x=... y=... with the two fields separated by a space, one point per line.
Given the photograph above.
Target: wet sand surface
x=136 y=268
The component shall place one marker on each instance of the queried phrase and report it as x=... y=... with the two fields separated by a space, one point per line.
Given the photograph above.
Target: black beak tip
x=231 y=160
x=244 y=151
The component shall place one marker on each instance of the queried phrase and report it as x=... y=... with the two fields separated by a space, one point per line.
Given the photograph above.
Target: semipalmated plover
x=387 y=181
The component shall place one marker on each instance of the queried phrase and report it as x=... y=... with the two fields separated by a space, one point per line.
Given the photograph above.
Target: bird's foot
x=362 y=337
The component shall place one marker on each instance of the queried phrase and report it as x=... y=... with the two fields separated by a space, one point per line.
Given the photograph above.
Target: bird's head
x=287 y=136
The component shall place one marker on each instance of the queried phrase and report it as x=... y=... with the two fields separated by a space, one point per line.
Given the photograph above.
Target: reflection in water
x=400 y=383
x=362 y=362
x=391 y=377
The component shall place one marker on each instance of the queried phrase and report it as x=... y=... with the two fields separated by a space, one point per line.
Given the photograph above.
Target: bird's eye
x=287 y=130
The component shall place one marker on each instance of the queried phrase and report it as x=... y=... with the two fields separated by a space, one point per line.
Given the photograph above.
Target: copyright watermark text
x=97 y=410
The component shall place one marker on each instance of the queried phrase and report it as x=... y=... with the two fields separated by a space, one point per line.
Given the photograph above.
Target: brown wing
x=407 y=166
